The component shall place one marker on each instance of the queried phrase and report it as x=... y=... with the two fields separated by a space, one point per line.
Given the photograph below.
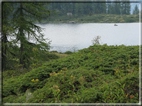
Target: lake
x=72 y=37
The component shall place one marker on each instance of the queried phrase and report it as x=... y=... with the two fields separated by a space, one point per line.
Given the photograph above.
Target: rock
x=28 y=94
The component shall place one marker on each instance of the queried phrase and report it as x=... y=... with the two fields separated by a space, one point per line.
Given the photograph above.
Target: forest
x=33 y=74
x=91 y=8
x=92 y=12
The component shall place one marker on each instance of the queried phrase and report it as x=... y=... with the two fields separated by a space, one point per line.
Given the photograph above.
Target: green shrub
x=22 y=83
x=91 y=95
x=100 y=73
x=68 y=52
x=124 y=90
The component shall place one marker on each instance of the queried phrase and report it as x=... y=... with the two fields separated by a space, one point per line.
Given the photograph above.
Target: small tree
x=95 y=41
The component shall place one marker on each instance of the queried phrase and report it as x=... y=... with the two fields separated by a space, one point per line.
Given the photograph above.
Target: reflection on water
x=77 y=36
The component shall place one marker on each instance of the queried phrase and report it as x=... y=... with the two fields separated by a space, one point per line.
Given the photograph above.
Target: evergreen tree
x=117 y=7
x=6 y=30
x=26 y=32
x=87 y=8
x=98 y=8
x=136 y=10
x=103 y=8
x=79 y=8
x=126 y=7
x=109 y=7
x=73 y=8
x=26 y=29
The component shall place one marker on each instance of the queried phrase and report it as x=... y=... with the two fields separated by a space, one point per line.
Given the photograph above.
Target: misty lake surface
x=69 y=37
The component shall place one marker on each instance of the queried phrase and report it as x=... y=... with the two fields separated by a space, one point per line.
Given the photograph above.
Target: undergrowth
x=98 y=74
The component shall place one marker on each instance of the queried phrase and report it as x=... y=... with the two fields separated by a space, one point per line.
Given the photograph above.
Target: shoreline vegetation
x=96 y=18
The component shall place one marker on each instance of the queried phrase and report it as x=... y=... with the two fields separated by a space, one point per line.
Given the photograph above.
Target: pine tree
x=79 y=8
x=26 y=29
x=6 y=30
x=136 y=10
x=26 y=32
x=109 y=8
x=117 y=7
x=125 y=7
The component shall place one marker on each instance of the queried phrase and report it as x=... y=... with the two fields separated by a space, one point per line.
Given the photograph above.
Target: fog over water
x=71 y=37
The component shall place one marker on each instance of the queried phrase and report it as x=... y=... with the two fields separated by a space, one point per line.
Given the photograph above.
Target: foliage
x=24 y=35
x=12 y=73
x=98 y=74
x=21 y=83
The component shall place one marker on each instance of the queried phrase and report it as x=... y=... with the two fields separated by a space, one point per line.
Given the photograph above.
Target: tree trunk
x=21 y=38
x=4 y=48
x=21 y=53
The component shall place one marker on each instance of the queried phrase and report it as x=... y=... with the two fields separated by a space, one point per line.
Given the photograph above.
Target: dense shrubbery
x=20 y=84
x=68 y=52
x=98 y=74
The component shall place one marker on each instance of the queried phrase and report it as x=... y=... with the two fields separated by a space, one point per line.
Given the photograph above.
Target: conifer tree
x=26 y=32
x=125 y=7
x=136 y=10
x=25 y=16
x=6 y=30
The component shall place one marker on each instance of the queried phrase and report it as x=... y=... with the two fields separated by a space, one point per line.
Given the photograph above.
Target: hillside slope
x=98 y=74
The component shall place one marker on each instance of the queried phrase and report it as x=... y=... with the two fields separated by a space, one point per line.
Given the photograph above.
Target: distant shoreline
x=96 y=18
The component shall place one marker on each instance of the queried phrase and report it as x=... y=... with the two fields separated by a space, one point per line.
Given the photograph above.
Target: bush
x=21 y=83
x=68 y=52
x=95 y=74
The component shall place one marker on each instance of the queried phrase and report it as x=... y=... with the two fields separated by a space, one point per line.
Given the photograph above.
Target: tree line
x=119 y=7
